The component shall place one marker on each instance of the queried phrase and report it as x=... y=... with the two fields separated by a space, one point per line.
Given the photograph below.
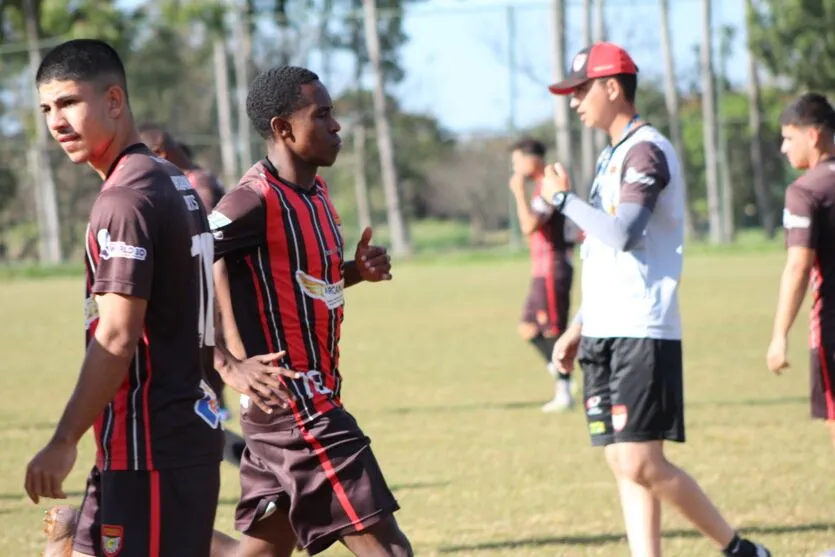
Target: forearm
x=102 y=373
x=351 y=273
x=528 y=221
x=793 y=286
x=621 y=231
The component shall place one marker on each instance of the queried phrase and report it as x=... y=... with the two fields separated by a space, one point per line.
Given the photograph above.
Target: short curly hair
x=276 y=92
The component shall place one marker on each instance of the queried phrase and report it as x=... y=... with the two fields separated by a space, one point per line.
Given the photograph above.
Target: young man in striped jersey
x=545 y=313
x=149 y=330
x=308 y=473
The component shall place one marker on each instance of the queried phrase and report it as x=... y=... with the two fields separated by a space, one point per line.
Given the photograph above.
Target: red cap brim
x=567 y=86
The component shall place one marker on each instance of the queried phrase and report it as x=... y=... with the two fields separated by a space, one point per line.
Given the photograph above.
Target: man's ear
x=281 y=127
x=116 y=101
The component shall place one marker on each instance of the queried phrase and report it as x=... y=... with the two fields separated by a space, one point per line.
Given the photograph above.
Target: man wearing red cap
x=628 y=331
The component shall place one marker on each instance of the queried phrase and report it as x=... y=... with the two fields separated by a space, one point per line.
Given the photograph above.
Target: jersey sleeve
x=645 y=175
x=800 y=218
x=123 y=223
x=238 y=222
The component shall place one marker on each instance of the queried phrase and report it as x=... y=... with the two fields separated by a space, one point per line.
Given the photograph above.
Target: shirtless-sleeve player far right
x=808 y=127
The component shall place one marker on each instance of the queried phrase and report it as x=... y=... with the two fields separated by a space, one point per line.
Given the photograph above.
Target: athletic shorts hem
x=245 y=524
x=324 y=541
x=605 y=440
x=83 y=548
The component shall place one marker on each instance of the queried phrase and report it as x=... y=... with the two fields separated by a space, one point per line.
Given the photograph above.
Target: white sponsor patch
x=795 y=221
x=632 y=176
x=218 y=220
x=332 y=294
x=191 y=203
x=109 y=249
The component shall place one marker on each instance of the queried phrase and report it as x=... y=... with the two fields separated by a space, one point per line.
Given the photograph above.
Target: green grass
x=436 y=376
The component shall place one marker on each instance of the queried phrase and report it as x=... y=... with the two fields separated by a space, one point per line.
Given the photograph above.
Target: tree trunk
x=224 y=113
x=671 y=97
x=728 y=229
x=46 y=198
x=709 y=123
x=755 y=123
x=561 y=112
x=242 y=52
x=600 y=138
x=397 y=225
x=587 y=138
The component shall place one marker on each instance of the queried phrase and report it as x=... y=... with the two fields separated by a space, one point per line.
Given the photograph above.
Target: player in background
x=149 y=323
x=307 y=474
x=628 y=330
x=209 y=188
x=545 y=313
x=808 y=126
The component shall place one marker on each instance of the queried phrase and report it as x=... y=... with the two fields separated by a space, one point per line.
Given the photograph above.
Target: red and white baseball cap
x=597 y=60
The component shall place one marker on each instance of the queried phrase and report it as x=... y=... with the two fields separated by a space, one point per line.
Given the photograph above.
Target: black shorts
x=633 y=389
x=547 y=304
x=822 y=381
x=323 y=475
x=159 y=513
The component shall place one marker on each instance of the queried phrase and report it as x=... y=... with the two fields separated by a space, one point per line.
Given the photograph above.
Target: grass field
x=435 y=374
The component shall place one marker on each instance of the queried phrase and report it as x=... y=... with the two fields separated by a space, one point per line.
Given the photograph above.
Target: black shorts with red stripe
x=548 y=301
x=822 y=380
x=322 y=475
x=158 y=513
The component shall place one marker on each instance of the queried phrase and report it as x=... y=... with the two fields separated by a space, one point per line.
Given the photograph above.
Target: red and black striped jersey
x=148 y=237
x=283 y=250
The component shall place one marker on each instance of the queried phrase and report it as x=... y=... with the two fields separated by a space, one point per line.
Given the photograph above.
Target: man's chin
x=78 y=157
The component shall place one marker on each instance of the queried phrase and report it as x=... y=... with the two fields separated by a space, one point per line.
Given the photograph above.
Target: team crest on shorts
x=111 y=539
x=619 y=417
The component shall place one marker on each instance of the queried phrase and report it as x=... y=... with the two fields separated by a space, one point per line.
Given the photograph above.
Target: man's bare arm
x=120 y=325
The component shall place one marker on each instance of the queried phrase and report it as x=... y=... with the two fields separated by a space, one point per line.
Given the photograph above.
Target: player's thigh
x=822 y=381
x=339 y=486
x=534 y=309
x=594 y=356
x=87 y=539
x=161 y=513
x=263 y=464
x=647 y=390
x=271 y=536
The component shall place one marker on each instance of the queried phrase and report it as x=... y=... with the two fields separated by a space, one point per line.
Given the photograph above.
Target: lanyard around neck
x=606 y=156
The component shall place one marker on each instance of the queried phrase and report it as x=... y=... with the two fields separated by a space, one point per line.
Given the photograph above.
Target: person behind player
x=628 y=330
x=308 y=473
x=149 y=323
x=209 y=188
x=545 y=313
x=163 y=145
x=808 y=127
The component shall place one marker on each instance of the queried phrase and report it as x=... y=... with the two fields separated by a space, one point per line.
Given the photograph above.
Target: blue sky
x=456 y=58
